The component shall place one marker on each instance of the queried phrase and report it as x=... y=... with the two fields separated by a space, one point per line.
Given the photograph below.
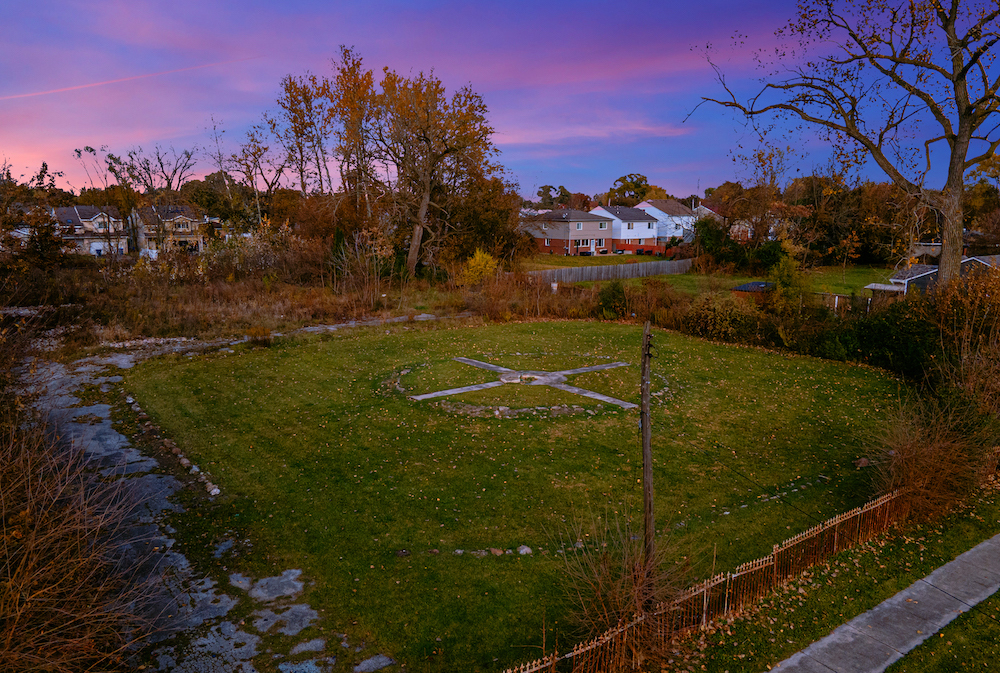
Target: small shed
x=923 y=277
x=756 y=291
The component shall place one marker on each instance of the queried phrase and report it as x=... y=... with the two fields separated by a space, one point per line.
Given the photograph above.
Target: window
x=548 y=242
x=603 y=225
x=629 y=225
x=579 y=226
x=599 y=242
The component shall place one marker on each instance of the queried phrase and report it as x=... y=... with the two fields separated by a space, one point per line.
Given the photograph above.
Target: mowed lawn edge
x=327 y=466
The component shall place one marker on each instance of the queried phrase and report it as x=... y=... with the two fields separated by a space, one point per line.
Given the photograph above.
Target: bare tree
x=160 y=170
x=883 y=71
x=258 y=164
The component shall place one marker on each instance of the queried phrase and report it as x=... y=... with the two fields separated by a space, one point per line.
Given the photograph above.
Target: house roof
x=755 y=286
x=992 y=260
x=626 y=214
x=78 y=214
x=570 y=215
x=671 y=207
x=167 y=213
x=912 y=272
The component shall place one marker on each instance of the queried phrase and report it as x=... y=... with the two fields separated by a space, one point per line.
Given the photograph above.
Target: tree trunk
x=950 y=262
x=418 y=232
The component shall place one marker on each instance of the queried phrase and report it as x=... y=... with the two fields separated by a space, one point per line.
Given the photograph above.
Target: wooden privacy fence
x=578 y=274
x=618 y=648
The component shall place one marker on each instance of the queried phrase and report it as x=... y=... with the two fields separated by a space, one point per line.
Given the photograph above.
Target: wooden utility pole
x=647 y=450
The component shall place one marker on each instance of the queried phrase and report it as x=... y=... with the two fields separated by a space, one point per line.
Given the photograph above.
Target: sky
x=579 y=93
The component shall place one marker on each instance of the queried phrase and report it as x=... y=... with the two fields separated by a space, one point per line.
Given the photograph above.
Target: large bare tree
x=892 y=79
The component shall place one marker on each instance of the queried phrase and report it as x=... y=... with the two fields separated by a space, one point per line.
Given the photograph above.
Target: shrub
x=899 y=338
x=611 y=301
x=792 y=289
x=608 y=581
x=68 y=594
x=928 y=449
x=480 y=267
x=723 y=317
x=259 y=336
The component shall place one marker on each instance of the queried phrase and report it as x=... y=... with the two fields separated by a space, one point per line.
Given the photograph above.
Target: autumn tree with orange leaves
x=875 y=75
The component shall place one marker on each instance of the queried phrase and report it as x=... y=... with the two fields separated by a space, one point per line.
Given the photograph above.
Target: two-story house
x=571 y=232
x=172 y=226
x=92 y=230
x=673 y=219
x=633 y=231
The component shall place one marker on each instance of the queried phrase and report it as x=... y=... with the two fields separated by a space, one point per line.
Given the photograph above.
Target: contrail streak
x=123 y=79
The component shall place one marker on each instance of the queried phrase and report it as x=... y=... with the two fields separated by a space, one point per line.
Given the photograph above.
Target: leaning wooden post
x=647 y=451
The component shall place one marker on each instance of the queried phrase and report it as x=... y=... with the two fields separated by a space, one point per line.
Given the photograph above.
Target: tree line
x=350 y=153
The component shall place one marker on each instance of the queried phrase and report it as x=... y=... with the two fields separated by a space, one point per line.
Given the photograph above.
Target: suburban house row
x=651 y=227
x=100 y=231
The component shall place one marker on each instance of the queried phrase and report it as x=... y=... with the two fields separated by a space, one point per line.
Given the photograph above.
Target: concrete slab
x=873 y=641
x=592 y=395
x=456 y=391
x=848 y=650
x=271 y=588
x=295 y=619
x=966 y=582
x=592 y=368
x=801 y=662
x=376 y=663
x=906 y=619
x=483 y=365
x=316 y=645
x=985 y=556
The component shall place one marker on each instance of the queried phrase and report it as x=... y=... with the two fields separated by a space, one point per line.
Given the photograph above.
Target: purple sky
x=579 y=92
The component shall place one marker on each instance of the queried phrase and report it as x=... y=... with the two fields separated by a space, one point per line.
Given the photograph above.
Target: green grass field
x=544 y=261
x=823 y=279
x=327 y=467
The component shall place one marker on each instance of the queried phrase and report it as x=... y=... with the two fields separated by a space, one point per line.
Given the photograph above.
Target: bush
x=480 y=267
x=723 y=317
x=611 y=301
x=929 y=450
x=68 y=594
x=792 y=289
x=608 y=581
x=899 y=338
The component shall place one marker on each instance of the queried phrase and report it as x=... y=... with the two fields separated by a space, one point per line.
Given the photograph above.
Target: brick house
x=571 y=232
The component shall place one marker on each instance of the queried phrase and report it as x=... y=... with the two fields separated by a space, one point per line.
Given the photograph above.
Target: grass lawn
x=326 y=466
x=824 y=279
x=837 y=280
x=539 y=262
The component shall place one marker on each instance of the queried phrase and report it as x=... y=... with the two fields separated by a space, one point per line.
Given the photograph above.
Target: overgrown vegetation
x=69 y=598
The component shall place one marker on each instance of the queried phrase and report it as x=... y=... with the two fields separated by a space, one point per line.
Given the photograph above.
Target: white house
x=632 y=230
x=673 y=218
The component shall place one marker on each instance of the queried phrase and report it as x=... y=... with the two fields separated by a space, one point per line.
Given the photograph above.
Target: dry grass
x=67 y=604
x=609 y=582
x=926 y=449
x=67 y=600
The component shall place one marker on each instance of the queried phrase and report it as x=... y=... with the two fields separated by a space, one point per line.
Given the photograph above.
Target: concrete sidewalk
x=872 y=641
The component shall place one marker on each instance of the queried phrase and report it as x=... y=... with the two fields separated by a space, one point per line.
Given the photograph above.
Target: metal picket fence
x=717 y=596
